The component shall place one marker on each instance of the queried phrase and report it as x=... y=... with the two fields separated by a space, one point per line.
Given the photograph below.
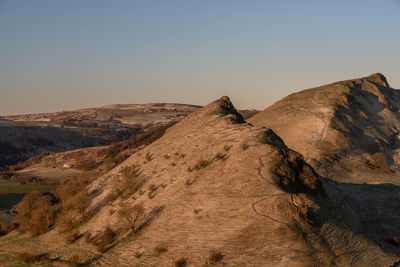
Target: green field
x=12 y=187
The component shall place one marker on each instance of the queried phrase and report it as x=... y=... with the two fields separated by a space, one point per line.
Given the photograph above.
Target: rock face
x=215 y=190
x=355 y=122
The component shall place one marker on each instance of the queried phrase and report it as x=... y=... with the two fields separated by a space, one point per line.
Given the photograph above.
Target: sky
x=59 y=55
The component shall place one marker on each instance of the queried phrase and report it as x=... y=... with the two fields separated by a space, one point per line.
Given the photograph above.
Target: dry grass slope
x=223 y=205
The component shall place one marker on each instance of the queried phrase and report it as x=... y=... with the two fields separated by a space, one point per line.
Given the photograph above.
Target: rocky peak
x=378 y=78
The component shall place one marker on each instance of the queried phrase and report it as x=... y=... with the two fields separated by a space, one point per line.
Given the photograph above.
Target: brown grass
x=74 y=261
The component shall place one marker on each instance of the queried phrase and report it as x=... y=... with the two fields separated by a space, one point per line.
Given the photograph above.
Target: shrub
x=79 y=203
x=37 y=212
x=152 y=188
x=131 y=182
x=379 y=161
x=160 y=249
x=73 y=236
x=152 y=194
x=6 y=228
x=189 y=181
x=202 y=164
x=130 y=172
x=113 y=161
x=215 y=257
x=181 y=262
x=75 y=211
x=104 y=241
x=227 y=148
x=88 y=237
x=75 y=201
x=244 y=146
x=27 y=258
x=196 y=211
x=86 y=165
x=221 y=156
x=71 y=187
x=148 y=156
x=139 y=254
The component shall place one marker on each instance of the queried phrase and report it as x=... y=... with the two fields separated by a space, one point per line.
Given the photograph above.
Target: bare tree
x=133 y=216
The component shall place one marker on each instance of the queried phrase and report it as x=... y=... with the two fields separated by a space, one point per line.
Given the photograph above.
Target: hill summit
x=340 y=125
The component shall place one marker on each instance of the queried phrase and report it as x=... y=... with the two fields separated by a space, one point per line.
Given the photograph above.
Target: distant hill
x=20 y=143
x=348 y=125
x=124 y=113
x=74 y=129
x=111 y=123
x=22 y=136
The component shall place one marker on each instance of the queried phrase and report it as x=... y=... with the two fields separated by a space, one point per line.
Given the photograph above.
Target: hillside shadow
x=18 y=143
x=367 y=210
x=363 y=126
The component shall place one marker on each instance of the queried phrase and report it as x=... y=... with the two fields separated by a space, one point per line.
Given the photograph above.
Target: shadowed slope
x=19 y=143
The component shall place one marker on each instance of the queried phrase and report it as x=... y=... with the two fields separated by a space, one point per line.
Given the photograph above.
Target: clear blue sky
x=57 y=55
